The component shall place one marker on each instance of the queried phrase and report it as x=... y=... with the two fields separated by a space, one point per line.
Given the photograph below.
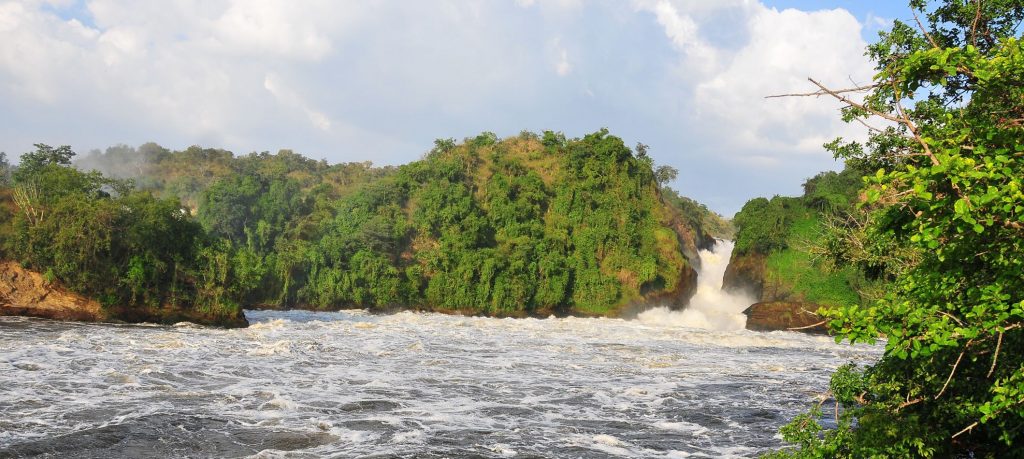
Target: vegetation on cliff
x=102 y=239
x=779 y=253
x=533 y=224
x=947 y=191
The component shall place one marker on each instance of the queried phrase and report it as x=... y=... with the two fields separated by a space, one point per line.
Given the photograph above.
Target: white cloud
x=560 y=56
x=825 y=45
x=287 y=97
x=683 y=32
x=782 y=50
x=379 y=80
x=274 y=27
x=184 y=70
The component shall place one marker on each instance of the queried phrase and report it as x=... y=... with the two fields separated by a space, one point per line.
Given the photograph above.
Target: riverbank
x=29 y=293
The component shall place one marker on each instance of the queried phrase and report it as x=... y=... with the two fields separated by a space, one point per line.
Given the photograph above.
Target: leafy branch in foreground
x=947 y=189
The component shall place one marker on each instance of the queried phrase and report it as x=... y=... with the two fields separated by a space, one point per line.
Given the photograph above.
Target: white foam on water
x=688 y=427
x=276 y=347
x=412 y=384
x=502 y=450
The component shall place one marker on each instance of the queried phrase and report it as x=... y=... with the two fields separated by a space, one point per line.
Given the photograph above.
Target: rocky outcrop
x=785 y=315
x=28 y=293
x=778 y=308
x=745 y=275
x=676 y=298
x=167 y=314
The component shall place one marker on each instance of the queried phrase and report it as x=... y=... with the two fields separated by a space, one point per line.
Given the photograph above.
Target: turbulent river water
x=352 y=384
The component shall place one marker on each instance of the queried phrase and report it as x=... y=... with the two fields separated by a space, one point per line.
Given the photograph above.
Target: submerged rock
x=785 y=315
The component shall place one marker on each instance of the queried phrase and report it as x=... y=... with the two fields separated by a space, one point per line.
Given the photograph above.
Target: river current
x=353 y=384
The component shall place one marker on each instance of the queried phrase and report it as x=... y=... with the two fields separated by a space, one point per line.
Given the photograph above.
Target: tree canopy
x=533 y=224
x=947 y=187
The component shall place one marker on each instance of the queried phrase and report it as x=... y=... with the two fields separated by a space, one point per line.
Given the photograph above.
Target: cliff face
x=27 y=293
x=776 y=260
x=749 y=274
x=676 y=298
x=745 y=275
x=779 y=307
x=691 y=240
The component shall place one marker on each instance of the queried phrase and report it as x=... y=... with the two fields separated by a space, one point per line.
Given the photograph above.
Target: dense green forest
x=534 y=224
x=100 y=237
x=940 y=216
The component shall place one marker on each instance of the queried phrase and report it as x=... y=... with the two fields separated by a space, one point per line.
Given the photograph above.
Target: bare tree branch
x=909 y=402
x=995 y=357
x=823 y=92
x=924 y=31
x=974 y=25
x=808 y=326
x=951 y=373
x=902 y=119
x=975 y=424
x=851 y=103
x=910 y=125
x=870 y=127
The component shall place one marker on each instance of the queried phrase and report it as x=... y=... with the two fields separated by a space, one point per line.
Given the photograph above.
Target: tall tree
x=949 y=186
x=5 y=169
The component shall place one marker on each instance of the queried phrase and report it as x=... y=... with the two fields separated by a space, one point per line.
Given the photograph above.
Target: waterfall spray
x=711 y=307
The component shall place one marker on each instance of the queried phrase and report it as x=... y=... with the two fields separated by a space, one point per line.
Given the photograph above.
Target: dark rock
x=745 y=275
x=675 y=298
x=785 y=315
x=691 y=241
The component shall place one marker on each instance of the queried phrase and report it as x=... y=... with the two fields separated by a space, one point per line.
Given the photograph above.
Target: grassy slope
x=796 y=269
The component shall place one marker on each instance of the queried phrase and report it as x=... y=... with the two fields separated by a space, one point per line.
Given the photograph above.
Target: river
x=353 y=384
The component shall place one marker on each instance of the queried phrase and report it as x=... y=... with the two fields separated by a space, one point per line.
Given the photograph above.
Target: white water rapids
x=353 y=384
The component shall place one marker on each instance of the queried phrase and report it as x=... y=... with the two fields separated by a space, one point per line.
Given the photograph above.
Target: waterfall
x=711 y=307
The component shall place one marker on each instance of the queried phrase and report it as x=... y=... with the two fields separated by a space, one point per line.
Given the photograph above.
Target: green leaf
x=960 y=206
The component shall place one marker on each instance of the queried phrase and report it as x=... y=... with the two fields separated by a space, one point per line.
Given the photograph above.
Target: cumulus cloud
x=272 y=27
x=683 y=31
x=352 y=81
x=287 y=97
x=782 y=49
x=180 y=71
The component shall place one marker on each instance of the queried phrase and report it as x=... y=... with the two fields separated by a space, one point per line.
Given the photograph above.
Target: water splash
x=711 y=308
x=354 y=384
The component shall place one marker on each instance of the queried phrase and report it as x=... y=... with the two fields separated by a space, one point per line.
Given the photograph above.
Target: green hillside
x=783 y=245
x=529 y=225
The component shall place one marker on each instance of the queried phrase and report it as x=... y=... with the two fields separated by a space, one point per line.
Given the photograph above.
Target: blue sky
x=359 y=80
